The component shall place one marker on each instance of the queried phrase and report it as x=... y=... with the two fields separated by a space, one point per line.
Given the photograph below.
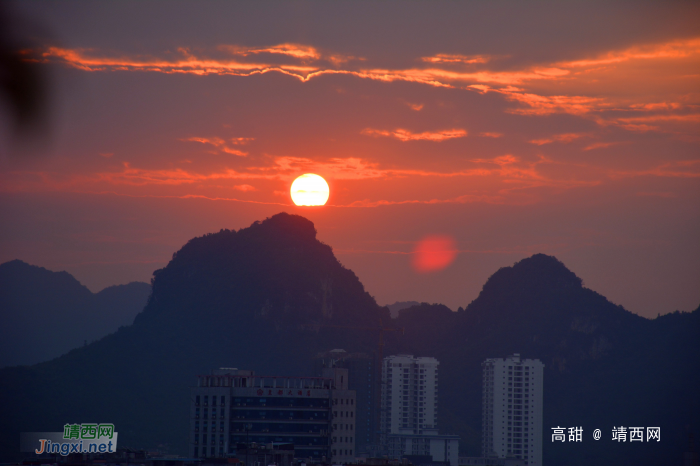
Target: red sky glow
x=454 y=138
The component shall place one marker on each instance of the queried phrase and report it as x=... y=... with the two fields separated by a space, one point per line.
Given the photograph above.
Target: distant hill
x=399 y=305
x=604 y=366
x=255 y=299
x=45 y=314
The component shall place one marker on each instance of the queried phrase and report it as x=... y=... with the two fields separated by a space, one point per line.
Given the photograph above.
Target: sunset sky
x=505 y=128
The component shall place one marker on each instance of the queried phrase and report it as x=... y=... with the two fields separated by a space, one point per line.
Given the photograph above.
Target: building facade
x=232 y=407
x=409 y=400
x=343 y=416
x=512 y=409
x=362 y=379
x=479 y=461
x=409 y=394
x=440 y=448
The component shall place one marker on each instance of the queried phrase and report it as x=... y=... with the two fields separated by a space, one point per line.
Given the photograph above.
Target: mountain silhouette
x=400 y=305
x=258 y=298
x=604 y=366
x=56 y=312
x=275 y=270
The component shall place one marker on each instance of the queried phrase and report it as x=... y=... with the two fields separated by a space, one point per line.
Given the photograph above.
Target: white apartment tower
x=409 y=410
x=512 y=409
x=409 y=394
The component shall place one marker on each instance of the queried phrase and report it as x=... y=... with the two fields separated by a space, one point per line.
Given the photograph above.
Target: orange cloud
x=547 y=105
x=602 y=145
x=221 y=144
x=449 y=78
x=675 y=49
x=565 y=138
x=241 y=140
x=465 y=59
x=464 y=199
x=507 y=167
x=664 y=98
x=640 y=123
x=300 y=52
x=405 y=135
x=244 y=187
x=497 y=180
x=688 y=118
x=188 y=64
x=657 y=106
x=356 y=169
x=141 y=177
x=303 y=52
x=584 y=87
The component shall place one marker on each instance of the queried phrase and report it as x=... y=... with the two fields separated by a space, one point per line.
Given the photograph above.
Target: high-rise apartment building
x=232 y=407
x=409 y=394
x=409 y=410
x=512 y=409
x=362 y=379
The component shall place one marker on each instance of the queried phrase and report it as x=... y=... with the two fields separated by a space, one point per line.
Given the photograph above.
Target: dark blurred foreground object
x=23 y=81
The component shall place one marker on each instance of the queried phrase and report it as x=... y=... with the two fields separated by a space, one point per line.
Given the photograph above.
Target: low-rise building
x=441 y=448
x=232 y=407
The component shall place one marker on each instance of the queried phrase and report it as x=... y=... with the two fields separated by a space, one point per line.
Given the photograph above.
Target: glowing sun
x=310 y=189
